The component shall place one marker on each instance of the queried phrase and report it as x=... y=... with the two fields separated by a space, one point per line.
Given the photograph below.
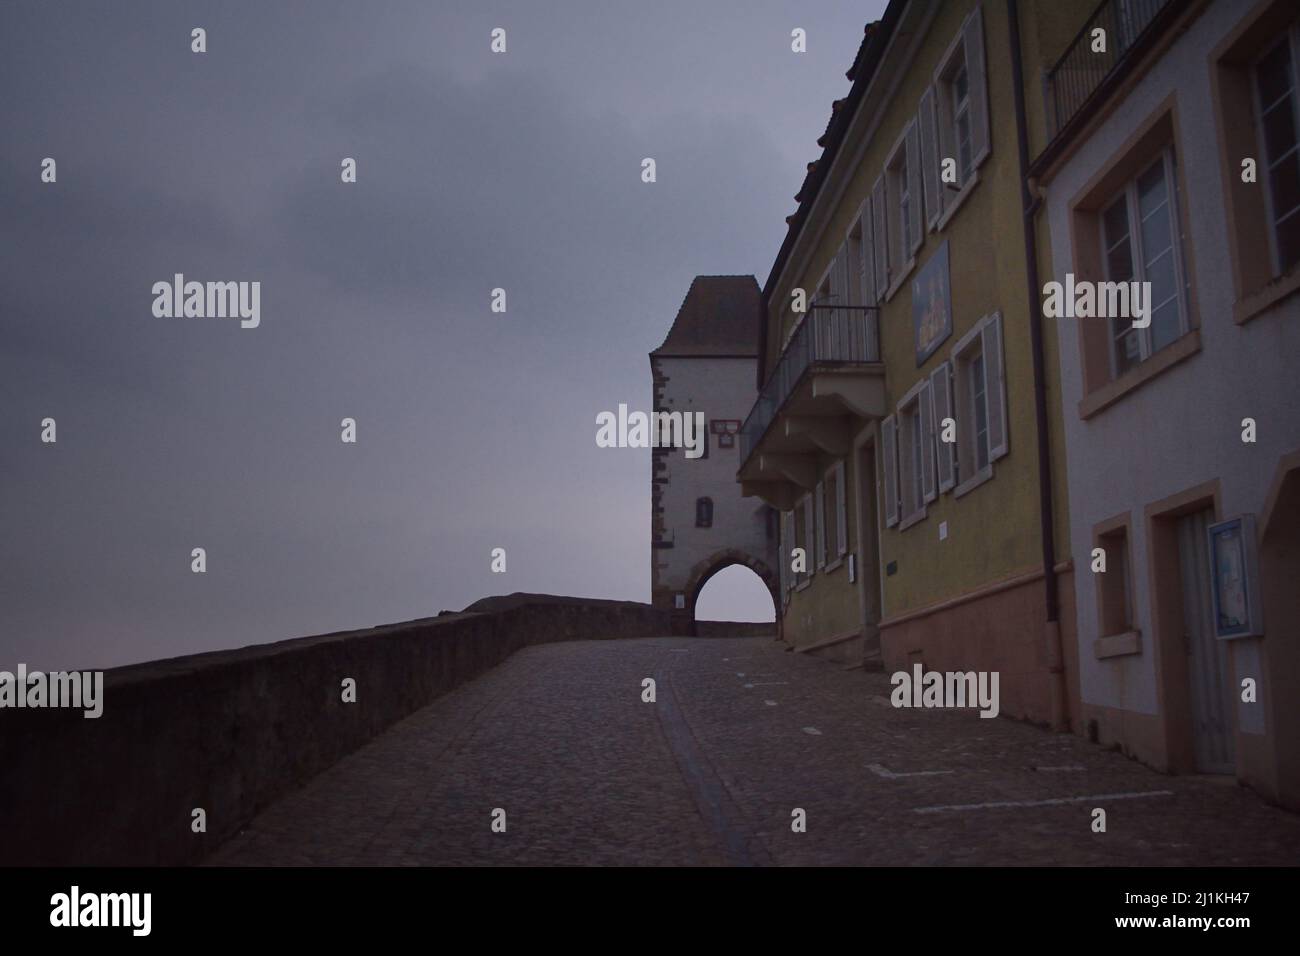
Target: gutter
x=1030 y=206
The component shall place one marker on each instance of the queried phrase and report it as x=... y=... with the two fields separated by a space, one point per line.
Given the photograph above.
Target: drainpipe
x=1030 y=204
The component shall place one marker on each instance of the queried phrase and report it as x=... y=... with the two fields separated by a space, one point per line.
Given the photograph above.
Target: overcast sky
x=475 y=430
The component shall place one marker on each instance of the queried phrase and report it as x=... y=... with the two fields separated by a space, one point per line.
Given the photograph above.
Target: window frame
x=1128 y=194
x=1116 y=592
x=1291 y=39
x=967 y=458
x=898 y=178
x=704 y=512
x=910 y=439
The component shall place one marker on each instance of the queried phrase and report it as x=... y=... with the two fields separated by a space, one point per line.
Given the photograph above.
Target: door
x=1207 y=656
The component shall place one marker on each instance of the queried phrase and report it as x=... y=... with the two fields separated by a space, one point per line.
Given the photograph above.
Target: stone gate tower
x=700 y=524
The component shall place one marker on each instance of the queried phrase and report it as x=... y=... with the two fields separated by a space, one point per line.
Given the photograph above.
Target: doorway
x=1208 y=667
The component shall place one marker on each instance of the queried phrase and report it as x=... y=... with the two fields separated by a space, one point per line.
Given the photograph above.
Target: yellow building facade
x=907 y=424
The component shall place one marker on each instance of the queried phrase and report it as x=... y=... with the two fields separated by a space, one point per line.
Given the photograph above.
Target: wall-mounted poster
x=931 y=305
x=1234 y=578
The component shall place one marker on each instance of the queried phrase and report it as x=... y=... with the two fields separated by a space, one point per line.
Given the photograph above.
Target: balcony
x=828 y=381
x=1079 y=75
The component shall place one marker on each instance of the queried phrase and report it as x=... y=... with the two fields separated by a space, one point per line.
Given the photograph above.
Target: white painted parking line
x=1000 y=804
x=770 y=703
x=880 y=771
x=812 y=730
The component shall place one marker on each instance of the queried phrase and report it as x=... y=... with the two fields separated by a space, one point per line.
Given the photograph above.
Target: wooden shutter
x=819 y=507
x=976 y=75
x=840 y=297
x=809 y=534
x=925 y=408
x=941 y=394
x=889 y=466
x=865 y=264
x=930 y=158
x=915 y=215
x=841 y=510
x=880 y=237
x=995 y=386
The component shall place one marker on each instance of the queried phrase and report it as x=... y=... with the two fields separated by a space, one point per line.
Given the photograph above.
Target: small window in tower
x=704 y=512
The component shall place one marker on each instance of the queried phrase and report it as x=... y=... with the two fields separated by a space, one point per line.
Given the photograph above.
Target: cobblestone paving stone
x=587 y=773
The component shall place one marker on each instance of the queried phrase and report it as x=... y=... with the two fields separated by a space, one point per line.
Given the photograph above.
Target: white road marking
x=880 y=771
x=740 y=673
x=1065 y=769
x=1044 y=803
x=812 y=730
x=767 y=683
x=770 y=703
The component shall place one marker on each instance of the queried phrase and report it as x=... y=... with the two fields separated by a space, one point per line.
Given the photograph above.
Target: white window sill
x=834 y=564
x=901 y=279
x=914 y=518
x=956 y=201
x=803 y=585
x=974 y=481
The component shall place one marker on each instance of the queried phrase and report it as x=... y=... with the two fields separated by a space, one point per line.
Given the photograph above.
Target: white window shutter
x=865 y=263
x=941 y=393
x=977 y=77
x=880 y=237
x=841 y=510
x=809 y=534
x=915 y=215
x=819 y=506
x=889 y=466
x=930 y=158
x=925 y=408
x=780 y=551
x=995 y=386
x=840 y=292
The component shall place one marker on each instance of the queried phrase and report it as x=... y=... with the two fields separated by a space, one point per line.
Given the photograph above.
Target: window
x=915 y=453
x=1115 y=584
x=1141 y=243
x=810 y=533
x=959 y=91
x=1277 y=105
x=979 y=405
x=902 y=219
x=945 y=451
x=804 y=532
x=834 y=519
x=1129 y=224
x=819 y=521
x=1255 y=86
x=979 y=400
x=954 y=121
x=704 y=512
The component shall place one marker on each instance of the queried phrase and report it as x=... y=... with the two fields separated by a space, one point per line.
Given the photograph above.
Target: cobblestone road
x=741 y=734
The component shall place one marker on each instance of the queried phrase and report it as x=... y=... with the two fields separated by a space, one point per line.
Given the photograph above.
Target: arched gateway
x=700 y=523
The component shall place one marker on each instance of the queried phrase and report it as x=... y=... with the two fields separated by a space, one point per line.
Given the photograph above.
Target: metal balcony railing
x=826 y=335
x=1080 y=70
